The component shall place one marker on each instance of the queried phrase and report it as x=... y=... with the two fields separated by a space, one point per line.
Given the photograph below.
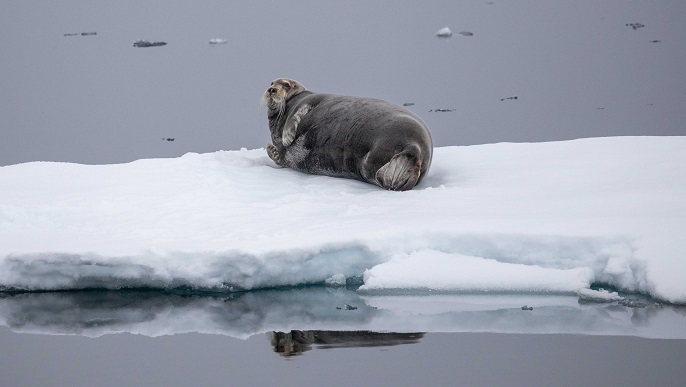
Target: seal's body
x=361 y=138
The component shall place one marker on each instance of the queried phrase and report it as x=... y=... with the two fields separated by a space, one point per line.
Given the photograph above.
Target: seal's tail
x=402 y=172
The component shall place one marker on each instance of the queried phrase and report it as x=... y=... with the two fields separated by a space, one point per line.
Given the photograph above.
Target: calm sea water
x=460 y=359
x=309 y=337
x=578 y=69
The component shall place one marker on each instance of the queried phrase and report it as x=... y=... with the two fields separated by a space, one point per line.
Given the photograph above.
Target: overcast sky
x=576 y=69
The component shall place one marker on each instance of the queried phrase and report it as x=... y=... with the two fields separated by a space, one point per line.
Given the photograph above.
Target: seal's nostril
x=271 y=90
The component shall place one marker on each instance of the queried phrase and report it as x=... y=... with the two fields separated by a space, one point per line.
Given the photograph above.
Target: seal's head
x=278 y=92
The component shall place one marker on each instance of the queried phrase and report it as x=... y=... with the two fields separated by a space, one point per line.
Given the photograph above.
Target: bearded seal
x=352 y=137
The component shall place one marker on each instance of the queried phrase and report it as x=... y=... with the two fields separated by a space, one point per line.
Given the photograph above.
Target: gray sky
x=576 y=68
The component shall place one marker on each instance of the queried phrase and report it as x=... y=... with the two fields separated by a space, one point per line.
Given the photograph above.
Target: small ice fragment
x=217 y=41
x=600 y=295
x=466 y=33
x=444 y=33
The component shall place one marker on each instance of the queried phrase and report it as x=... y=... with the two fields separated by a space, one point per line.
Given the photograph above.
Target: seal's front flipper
x=402 y=172
x=275 y=155
x=291 y=128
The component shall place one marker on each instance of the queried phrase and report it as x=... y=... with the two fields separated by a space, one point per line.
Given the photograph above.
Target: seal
x=351 y=137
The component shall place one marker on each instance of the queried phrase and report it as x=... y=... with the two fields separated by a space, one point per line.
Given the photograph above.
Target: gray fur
x=352 y=137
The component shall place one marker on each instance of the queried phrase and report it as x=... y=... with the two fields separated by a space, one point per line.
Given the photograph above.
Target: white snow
x=336 y=280
x=427 y=269
x=510 y=218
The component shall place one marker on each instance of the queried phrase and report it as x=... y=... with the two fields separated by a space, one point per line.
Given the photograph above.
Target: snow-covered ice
x=549 y=218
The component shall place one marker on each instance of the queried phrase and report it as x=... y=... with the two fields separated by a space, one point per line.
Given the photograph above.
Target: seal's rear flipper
x=402 y=172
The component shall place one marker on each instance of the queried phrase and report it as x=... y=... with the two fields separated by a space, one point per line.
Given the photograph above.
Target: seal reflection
x=297 y=342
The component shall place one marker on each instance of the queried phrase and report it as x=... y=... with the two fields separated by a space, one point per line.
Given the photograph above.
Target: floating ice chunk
x=488 y=218
x=444 y=33
x=466 y=33
x=217 y=41
x=600 y=295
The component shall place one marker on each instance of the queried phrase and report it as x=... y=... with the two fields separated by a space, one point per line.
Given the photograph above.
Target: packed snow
x=549 y=218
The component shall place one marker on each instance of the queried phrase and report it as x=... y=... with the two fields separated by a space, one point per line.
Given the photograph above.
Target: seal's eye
x=287 y=86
